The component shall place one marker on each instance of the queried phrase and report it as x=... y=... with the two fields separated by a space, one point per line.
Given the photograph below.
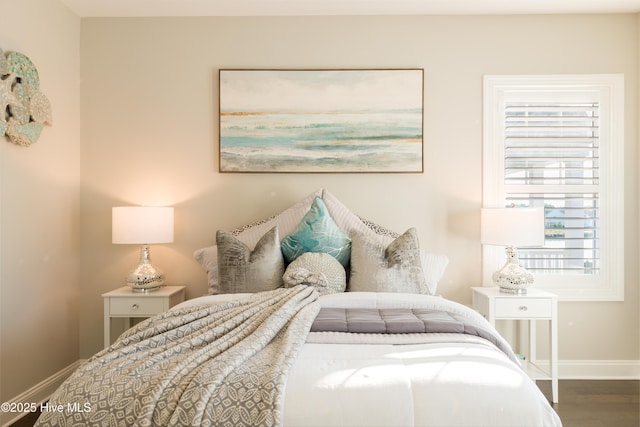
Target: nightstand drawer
x=122 y=302
x=523 y=308
x=136 y=306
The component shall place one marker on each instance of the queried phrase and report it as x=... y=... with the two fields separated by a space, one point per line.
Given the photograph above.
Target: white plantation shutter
x=572 y=234
x=551 y=143
x=555 y=147
x=554 y=142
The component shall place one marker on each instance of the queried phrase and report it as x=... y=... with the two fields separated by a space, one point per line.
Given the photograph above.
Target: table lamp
x=513 y=228
x=143 y=225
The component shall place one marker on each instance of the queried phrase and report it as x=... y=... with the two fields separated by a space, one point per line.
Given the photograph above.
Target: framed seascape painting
x=321 y=121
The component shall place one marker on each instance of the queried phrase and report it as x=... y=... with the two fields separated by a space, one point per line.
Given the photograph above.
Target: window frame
x=608 y=285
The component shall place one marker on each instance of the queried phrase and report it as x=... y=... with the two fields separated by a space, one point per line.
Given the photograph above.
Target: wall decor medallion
x=321 y=121
x=24 y=110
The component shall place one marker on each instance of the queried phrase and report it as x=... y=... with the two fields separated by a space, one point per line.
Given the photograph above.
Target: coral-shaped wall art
x=24 y=110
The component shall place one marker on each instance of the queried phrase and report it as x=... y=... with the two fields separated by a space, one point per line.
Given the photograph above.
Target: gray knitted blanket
x=206 y=365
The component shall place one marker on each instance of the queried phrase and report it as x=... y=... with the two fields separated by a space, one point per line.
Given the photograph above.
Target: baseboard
x=599 y=369
x=38 y=393
x=595 y=369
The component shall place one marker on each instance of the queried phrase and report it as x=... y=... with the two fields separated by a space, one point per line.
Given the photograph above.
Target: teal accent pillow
x=317 y=232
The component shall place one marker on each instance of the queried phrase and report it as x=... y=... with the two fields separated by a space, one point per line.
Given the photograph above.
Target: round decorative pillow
x=317 y=269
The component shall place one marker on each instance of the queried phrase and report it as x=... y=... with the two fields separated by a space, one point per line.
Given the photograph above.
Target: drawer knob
x=134 y=306
x=523 y=308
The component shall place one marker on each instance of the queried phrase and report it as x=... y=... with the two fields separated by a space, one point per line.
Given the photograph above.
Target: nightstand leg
x=533 y=352
x=107 y=324
x=554 y=356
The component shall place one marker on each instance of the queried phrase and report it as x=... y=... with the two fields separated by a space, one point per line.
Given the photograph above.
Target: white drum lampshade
x=513 y=228
x=143 y=225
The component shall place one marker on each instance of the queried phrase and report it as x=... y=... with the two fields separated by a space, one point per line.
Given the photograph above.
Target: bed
x=336 y=324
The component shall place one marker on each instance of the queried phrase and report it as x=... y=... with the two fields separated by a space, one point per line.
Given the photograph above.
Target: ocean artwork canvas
x=321 y=121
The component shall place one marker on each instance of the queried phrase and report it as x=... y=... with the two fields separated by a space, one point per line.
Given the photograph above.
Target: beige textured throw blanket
x=222 y=365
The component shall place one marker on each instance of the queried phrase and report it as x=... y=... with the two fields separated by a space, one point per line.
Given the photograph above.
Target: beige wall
x=39 y=206
x=149 y=136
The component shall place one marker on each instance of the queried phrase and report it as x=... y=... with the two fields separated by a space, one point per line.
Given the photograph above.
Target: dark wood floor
x=583 y=403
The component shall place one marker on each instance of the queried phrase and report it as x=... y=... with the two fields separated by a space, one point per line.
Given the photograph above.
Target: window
x=557 y=142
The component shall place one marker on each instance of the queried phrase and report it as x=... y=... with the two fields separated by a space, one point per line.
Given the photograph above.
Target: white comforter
x=342 y=379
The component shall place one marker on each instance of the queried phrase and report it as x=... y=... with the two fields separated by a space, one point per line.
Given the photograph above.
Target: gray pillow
x=243 y=270
x=395 y=268
x=316 y=269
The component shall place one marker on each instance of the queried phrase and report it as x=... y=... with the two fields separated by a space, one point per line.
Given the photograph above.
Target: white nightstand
x=123 y=302
x=535 y=305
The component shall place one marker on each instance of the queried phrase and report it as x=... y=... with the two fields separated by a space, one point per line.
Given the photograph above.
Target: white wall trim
x=595 y=369
x=608 y=285
x=39 y=393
